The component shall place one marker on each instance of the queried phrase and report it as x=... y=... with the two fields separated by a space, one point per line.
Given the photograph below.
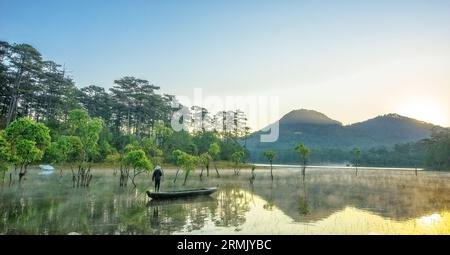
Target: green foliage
x=182 y=141
x=356 y=156
x=87 y=129
x=185 y=161
x=113 y=159
x=438 y=151
x=122 y=141
x=103 y=150
x=302 y=152
x=136 y=106
x=152 y=150
x=27 y=129
x=42 y=86
x=67 y=149
x=237 y=157
x=228 y=147
x=205 y=159
x=96 y=101
x=27 y=152
x=161 y=133
x=137 y=160
x=204 y=139
x=269 y=155
x=104 y=144
x=28 y=141
x=5 y=155
x=132 y=147
x=214 y=150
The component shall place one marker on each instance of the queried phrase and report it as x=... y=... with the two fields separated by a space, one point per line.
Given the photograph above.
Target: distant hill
x=391 y=129
x=318 y=131
x=304 y=116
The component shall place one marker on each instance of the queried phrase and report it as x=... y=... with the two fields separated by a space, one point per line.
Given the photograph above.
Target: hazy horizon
x=350 y=60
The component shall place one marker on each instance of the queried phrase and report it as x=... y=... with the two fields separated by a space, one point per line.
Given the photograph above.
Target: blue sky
x=338 y=57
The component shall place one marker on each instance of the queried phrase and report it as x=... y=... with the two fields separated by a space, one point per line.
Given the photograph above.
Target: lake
x=328 y=201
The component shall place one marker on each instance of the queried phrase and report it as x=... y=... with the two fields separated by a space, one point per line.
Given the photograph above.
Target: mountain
x=304 y=116
x=320 y=132
x=392 y=129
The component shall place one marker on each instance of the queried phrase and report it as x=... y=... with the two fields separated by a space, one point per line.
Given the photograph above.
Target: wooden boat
x=182 y=201
x=182 y=193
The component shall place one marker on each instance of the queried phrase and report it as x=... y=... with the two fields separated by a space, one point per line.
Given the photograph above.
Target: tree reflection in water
x=233 y=203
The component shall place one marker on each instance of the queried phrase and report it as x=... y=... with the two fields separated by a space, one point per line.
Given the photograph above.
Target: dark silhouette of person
x=156 y=177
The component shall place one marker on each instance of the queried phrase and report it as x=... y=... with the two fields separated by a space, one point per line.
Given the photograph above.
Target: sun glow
x=430 y=220
x=425 y=110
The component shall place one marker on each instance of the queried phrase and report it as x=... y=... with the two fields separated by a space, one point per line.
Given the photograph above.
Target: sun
x=424 y=110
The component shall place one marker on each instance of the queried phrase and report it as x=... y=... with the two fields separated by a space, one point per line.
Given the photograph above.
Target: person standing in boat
x=156 y=177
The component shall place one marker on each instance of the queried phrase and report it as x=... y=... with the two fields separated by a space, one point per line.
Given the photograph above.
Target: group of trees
x=78 y=146
x=437 y=154
x=31 y=86
x=431 y=153
x=22 y=143
x=129 y=123
x=302 y=152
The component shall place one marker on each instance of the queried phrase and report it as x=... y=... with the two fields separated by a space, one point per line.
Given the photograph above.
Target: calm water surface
x=329 y=201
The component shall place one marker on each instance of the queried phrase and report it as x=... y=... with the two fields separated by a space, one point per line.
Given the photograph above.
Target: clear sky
x=351 y=60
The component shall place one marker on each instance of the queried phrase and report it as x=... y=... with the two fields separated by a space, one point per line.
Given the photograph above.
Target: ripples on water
x=327 y=202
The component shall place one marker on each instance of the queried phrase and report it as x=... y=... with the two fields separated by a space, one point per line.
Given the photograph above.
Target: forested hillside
x=388 y=140
x=91 y=124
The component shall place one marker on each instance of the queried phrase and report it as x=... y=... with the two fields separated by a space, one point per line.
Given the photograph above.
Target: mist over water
x=329 y=201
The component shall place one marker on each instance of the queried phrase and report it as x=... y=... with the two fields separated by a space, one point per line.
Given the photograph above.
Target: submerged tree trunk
x=185 y=178
x=303 y=173
x=304 y=170
x=134 y=176
x=73 y=177
x=176 y=175
x=22 y=172
x=123 y=179
x=237 y=169
x=271 y=171
x=252 y=178
x=83 y=177
x=217 y=171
